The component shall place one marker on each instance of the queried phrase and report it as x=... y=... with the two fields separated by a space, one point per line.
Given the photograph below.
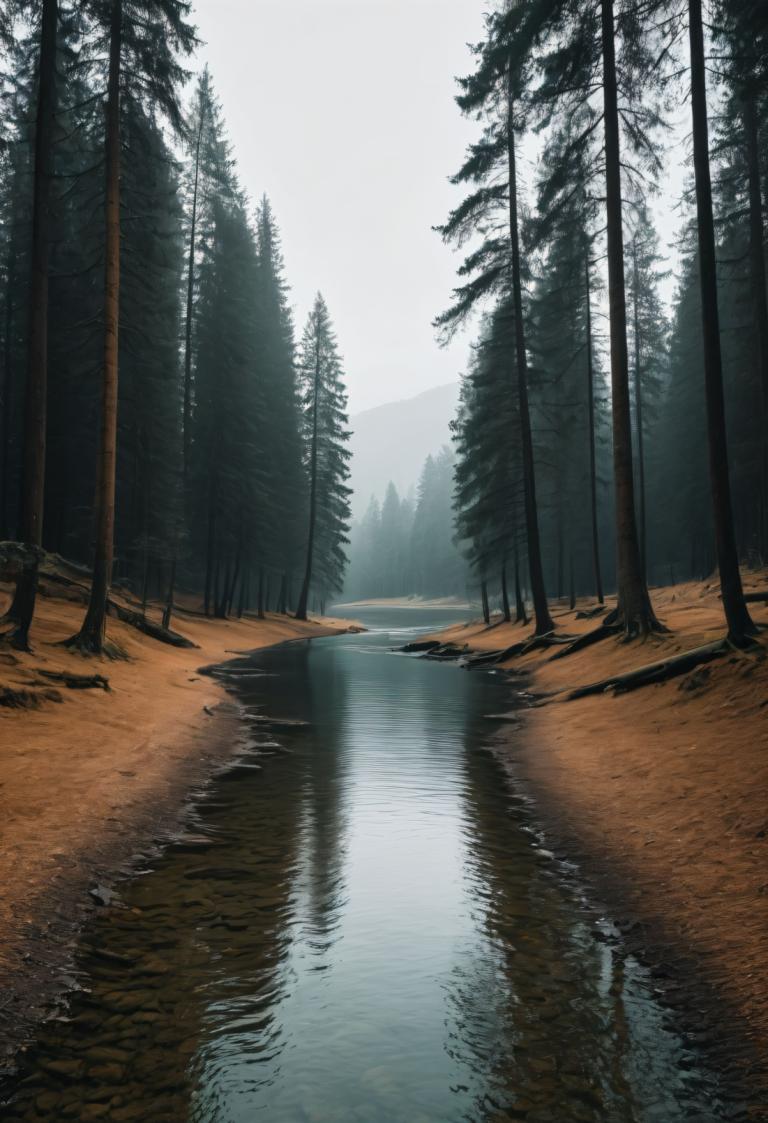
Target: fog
x=344 y=114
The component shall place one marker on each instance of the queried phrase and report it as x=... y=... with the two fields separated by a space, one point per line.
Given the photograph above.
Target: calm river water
x=363 y=930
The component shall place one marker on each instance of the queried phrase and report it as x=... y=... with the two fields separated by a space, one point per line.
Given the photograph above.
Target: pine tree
x=326 y=435
x=740 y=625
x=496 y=266
x=35 y=398
x=143 y=42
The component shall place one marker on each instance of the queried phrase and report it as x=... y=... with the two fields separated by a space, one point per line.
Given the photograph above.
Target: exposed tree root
x=114 y=608
x=148 y=627
x=591 y=613
x=660 y=671
x=74 y=681
x=12 y=699
x=756 y=598
x=603 y=631
x=83 y=645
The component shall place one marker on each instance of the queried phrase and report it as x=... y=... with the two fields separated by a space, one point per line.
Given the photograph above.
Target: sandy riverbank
x=88 y=781
x=660 y=795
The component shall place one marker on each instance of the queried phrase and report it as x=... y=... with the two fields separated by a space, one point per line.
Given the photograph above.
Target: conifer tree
x=324 y=402
x=143 y=40
x=740 y=625
x=493 y=89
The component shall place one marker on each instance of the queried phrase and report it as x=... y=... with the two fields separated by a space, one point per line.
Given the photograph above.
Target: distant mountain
x=391 y=442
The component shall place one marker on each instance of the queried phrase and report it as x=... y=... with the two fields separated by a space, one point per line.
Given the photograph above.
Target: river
x=361 y=927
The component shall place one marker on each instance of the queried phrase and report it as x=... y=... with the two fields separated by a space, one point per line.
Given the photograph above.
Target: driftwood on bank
x=660 y=671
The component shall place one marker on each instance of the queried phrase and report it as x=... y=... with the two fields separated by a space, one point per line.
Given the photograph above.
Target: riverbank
x=659 y=795
x=91 y=777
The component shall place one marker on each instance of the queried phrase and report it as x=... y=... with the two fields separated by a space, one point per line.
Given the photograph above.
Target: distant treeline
x=590 y=460
x=159 y=424
x=404 y=546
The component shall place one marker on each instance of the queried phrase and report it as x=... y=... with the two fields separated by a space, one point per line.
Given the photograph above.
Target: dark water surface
x=365 y=930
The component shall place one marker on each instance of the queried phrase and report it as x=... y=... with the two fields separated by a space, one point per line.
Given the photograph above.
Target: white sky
x=343 y=112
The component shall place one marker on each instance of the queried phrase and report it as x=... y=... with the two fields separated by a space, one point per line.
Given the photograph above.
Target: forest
x=454 y=810
x=406 y=545
x=604 y=442
x=162 y=426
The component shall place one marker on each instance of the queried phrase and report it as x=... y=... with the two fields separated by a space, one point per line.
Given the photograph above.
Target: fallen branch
x=660 y=671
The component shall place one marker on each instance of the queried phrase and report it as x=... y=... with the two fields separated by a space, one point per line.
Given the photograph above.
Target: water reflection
x=364 y=930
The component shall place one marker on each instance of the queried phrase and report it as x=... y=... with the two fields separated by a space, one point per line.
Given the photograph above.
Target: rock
x=100 y=895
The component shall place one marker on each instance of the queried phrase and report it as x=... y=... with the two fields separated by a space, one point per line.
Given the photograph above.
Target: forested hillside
x=158 y=425
x=389 y=443
x=405 y=545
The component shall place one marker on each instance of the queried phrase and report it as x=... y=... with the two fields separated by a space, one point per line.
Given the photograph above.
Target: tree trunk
x=596 y=567
x=639 y=417
x=282 y=595
x=210 y=550
x=169 y=605
x=92 y=633
x=572 y=584
x=505 y=594
x=484 y=601
x=301 y=611
x=544 y=622
x=521 y=616
x=7 y=402
x=230 y=596
x=759 y=291
x=633 y=610
x=36 y=390
x=190 y=303
x=260 y=595
x=740 y=625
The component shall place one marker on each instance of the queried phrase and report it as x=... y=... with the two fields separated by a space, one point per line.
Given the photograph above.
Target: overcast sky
x=342 y=111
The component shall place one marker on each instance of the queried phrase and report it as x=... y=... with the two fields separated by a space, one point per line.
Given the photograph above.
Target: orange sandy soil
x=662 y=795
x=88 y=780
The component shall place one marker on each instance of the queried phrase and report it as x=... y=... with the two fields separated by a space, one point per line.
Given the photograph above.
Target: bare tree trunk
x=572 y=583
x=633 y=611
x=169 y=600
x=740 y=625
x=210 y=551
x=484 y=601
x=260 y=600
x=639 y=416
x=282 y=595
x=301 y=611
x=505 y=593
x=92 y=633
x=190 y=305
x=7 y=402
x=544 y=621
x=36 y=390
x=596 y=567
x=759 y=290
x=521 y=616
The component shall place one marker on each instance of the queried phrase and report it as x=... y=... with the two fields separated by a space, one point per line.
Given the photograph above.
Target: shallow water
x=363 y=927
